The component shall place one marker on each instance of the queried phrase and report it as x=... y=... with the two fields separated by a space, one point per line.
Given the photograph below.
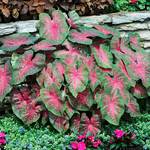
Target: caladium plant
x=71 y=70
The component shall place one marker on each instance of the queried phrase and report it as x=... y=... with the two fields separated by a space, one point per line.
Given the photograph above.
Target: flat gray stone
x=132 y=26
x=146 y=44
x=96 y=19
x=7 y=28
x=26 y=26
x=130 y=17
x=145 y=35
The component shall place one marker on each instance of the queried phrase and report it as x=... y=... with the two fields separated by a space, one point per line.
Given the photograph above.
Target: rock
x=26 y=26
x=7 y=28
x=96 y=19
x=145 y=35
x=19 y=27
x=132 y=26
x=146 y=44
x=130 y=17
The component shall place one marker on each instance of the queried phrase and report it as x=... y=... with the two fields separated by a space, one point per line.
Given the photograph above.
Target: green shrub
x=125 y=5
x=37 y=137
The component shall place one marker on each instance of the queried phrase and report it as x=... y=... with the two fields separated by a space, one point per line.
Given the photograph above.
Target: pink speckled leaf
x=77 y=79
x=69 y=110
x=26 y=65
x=51 y=97
x=43 y=46
x=75 y=123
x=24 y=106
x=111 y=106
x=68 y=57
x=5 y=79
x=139 y=91
x=102 y=55
x=54 y=29
x=83 y=101
x=60 y=123
x=44 y=117
x=51 y=74
x=139 y=67
x=134 y=40
x=84 y=35
x=13 y=42
x=95 y=77
x=89 y=125
x=117 y=83
x=133 y=107
x=81 y=37
x=106 y=31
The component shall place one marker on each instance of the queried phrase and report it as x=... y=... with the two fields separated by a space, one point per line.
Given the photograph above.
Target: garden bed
x=75 y=74
x=39 y=137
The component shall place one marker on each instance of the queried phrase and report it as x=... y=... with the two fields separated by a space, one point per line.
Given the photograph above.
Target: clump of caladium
x=73 y=75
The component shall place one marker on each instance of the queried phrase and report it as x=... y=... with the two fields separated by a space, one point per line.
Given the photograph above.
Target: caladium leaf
x=68 y=57
x=54 y=29
x=90 y=62
x=13 y=42
x=116 y=43
x=133 y=107
x=69 y=110
x=81 y=37
x=106 y=31
x=117 y=83
x=77 y=79
x=139 y=66
x=51 y=74
x=102 y=55
x=26 y=65
x=139 y=91
x=84 y=35
x=25 y=107
x=134 y=40
x=60 y=123
x=111 y=106
x=74 y=19
x=95 y=78
x=121 y=66
x=5 y=79
x=43 y=46
x=75 y=123
x=83 y=101
x=90 y=125
x=51 y=97
x=45 y=117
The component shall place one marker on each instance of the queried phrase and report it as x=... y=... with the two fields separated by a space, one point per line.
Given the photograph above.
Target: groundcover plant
x=73 y=75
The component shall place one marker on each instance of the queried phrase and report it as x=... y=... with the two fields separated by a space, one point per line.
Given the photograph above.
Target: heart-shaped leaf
x=53 y=29
x=13 y=42
x=43 y=46
x=61 y=124
x=102 y=55
x=51 y=74
x=5 y=79
x=133 y=107
x=77 y=79
x=51 y=97
x=90 y=125
x=111 y=106
x=24 y=106
x=26 y=65
x=83 y=101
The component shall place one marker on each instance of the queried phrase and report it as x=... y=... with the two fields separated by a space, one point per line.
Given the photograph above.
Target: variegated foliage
x=71 y=70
